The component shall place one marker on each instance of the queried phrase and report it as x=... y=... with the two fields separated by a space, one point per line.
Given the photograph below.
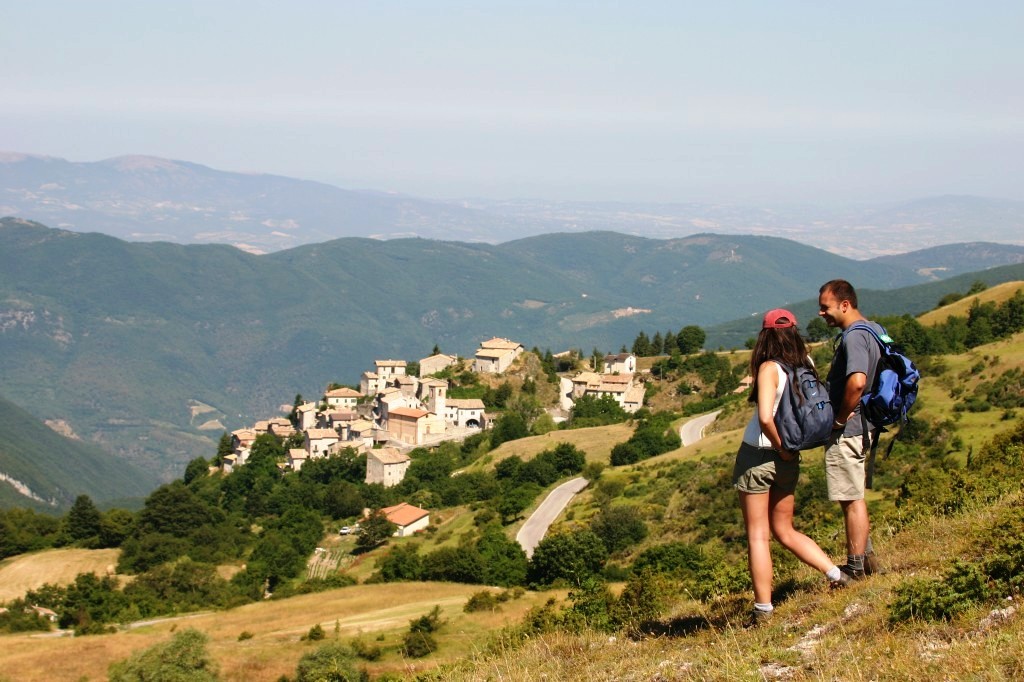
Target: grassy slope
x=369 y=611
x=815 y=633
x=995 y=294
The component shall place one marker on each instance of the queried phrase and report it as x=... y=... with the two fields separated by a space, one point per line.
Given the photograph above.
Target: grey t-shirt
x=857 y=352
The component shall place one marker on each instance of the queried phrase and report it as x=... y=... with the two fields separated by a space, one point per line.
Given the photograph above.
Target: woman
x=765 y=475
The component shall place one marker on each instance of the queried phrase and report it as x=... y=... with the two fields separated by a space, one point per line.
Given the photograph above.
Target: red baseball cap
x=780 y=318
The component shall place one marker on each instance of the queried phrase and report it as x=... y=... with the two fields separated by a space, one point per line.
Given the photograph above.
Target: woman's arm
x=767 y=384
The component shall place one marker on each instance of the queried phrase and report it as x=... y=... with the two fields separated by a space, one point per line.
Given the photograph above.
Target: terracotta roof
x=493 y=352
x=314 y=434
x=361 y=425
x=388 y=456
x=617 y=378
x=635 y=395
x=497 y=342
x=404 y=514
x=407 y=412
x=390 y=363
x=306 y=407
x=297 y=453
x=465 y=403
x=343 y=392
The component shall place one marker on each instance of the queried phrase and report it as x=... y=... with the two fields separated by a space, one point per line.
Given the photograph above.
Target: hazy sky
x=650 y=101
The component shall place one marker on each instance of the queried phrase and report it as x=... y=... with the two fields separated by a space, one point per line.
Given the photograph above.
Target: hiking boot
x=757 y=618
x=843 y=581
x=852 y=573
x=872 y=566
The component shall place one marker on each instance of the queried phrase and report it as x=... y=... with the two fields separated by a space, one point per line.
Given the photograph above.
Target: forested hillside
x=138 y=347
x=658 y=521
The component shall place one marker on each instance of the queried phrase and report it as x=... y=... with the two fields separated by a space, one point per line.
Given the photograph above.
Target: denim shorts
x=758 y=470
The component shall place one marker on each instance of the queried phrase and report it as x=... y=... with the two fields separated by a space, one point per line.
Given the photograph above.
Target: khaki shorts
x=758 y=470
x=844 y=468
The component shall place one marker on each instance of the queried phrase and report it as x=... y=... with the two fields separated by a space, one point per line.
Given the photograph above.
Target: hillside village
x=393 y=412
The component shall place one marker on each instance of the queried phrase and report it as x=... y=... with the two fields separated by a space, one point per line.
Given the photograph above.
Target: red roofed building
x=408 y=518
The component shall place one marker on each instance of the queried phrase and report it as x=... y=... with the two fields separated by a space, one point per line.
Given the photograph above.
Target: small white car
x=345 y=530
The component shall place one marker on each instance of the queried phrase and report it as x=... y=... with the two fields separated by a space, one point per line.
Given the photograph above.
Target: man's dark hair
x=842 y=290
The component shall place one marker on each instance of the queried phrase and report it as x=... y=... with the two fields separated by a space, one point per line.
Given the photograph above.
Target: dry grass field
x=378 y=614
x=26 y=572
x=996 y=294
x=597 y=442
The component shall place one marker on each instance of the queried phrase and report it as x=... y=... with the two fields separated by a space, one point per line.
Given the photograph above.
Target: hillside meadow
x=378 y=614
x=683 y=496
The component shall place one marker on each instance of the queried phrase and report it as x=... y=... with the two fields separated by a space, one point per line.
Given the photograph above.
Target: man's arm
x=855 y=385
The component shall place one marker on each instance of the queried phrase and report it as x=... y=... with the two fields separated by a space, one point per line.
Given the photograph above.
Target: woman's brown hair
x=783 y=345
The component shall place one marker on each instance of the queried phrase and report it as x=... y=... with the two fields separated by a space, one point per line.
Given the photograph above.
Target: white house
x=622 y=363
x=464 y=412
x=296 y=458
x=343 y=398
x=496 y=355
x=408 y=518
x=436 y=363
x=319 y=442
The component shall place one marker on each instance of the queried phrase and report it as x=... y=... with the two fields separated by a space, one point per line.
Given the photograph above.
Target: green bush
x=183 y=659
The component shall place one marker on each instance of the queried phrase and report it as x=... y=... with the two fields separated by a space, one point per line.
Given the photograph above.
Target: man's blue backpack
x=894 y=389
x=804 y=418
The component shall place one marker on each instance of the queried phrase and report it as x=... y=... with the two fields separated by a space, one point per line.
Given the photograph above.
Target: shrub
x=183 y=658
x=481 y=601
x=332 y=662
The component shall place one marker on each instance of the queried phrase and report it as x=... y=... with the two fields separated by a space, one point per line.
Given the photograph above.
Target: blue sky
x=737 y=102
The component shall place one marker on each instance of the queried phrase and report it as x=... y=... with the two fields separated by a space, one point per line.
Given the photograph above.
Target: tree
x=690 y=339
x=83 y=520
x=375 y=531
x=332 y=662
x=570 y=557
x=619 y=527
x=224 y=448
x=197 y=468
x=817 y=330
x=183 y=659
x=509 y=426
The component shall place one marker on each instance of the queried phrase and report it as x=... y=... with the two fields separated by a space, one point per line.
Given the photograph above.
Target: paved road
x=693 y=430
x=536 y=526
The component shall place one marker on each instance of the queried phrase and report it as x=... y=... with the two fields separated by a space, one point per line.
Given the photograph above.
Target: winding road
x=693 y=430
x=533 y=531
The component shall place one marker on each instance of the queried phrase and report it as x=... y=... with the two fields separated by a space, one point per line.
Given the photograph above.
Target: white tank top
x=753 y=434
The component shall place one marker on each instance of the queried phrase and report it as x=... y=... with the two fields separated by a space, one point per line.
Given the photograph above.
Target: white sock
x=763 y=607
x=833 y=573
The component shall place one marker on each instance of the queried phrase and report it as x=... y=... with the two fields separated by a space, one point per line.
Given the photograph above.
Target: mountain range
x=142 y=198
x=151 y=350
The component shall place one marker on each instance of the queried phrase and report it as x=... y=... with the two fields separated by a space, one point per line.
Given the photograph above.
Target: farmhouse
x=408 y=518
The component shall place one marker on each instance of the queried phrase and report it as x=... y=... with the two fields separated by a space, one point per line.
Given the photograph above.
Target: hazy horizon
x=655 y=103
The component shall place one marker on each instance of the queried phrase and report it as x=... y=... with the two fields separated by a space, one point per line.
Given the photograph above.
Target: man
x=853 y=368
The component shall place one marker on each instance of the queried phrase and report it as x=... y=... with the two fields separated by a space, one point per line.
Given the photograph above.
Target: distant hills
x=45 y=471
x=141 y=198
x=151 y=350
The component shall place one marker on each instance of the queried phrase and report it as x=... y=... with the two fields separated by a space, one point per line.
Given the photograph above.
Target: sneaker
x=872 y=565
x=757 y=618
x=852 y=573
x=843 y=581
